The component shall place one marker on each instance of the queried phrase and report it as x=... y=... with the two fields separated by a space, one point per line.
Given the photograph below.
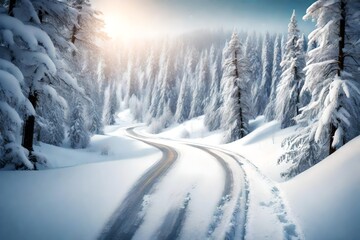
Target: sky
x=141 y=18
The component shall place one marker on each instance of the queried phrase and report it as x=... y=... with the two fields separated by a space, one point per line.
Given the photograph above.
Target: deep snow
x=323 y=201
x=72 y=202
x=75 y=198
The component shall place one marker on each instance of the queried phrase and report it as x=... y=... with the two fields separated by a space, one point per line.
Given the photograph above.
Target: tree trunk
x=242 y=134
x=340 y=65
x=28 y=131
x=41 y=16
x=11 y=7
x=73 y=35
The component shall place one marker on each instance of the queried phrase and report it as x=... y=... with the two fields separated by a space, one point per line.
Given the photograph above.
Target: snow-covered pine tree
x=34 y=55
x=96 y=124
x=13 y=106
x=270 y=113
x=212 y=117
x=331 y=118
x=168 y=92
x=111 y=105
x=79 y=136
x=56 y=18
x=235 y=108
x=301 y=61
x=50 y=122
x=288 y=92
x=253 y=46
x=183 y=106
x=262 y=96
x=87 y=34
x=184 y=101
x=305 y=95
x=132 y=81
x=151 y=72
x=201 y=88
x=155 y=109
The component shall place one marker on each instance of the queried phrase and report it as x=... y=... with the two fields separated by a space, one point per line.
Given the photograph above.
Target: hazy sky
x=149 y=17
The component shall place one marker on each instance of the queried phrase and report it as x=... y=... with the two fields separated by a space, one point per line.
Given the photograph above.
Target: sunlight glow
x=129 y=22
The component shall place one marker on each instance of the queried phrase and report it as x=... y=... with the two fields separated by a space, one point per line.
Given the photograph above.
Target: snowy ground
x=323 y=201
x=76 y=197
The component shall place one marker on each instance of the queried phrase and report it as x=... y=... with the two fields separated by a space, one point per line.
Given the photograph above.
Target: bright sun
x=114 y=26
x=129 y=24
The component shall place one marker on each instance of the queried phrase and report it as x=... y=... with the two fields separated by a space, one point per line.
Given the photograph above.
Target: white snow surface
x=325 y=198
x=76 y=197
x=322 y=202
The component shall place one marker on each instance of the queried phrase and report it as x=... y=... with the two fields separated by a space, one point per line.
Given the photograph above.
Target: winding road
x=127 y=219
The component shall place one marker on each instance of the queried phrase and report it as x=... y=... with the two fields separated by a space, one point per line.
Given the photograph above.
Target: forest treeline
x=63 y=80
x=309 y=82
x=52 y=71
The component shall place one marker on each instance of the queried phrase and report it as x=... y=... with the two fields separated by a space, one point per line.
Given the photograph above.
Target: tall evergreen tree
x=183 y=106
x=331 y=118
x=79 y=136
x=34 y=56
x=262 y=96
x=212 y=112
x=111 y=105
x=288 y=100
x=201 y=88
x=235 y=109
x=13 y=106
x=253 y=46
x=270 y=113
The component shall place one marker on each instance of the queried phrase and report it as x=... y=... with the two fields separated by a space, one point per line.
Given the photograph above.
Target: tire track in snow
x=127 y=218
x=173 y=222
x=289 y=228
x=237 y=224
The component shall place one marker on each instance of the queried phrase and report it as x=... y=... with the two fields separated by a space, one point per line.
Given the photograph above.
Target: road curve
x=126 y=220
x=240 y=213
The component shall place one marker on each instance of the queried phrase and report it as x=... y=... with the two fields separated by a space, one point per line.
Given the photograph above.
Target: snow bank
x=262 y=146
x=72 y=202
x=326 y=197
x=194 y=130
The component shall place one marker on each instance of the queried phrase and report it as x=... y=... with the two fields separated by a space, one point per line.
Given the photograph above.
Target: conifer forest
x=200 y=119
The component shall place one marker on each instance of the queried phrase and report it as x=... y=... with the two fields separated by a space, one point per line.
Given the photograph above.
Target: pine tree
x=111 y=105
x=253 y=46
x=262 y=97
x=270 y=113
x=201 y=90
x=34 y=56
x=13 y=105
x=331 y=118
x=212 y=112
x=150 y=75
x=168 y=92
x=79 y=136
x=235 y=108
x=288 y=100
x=50 y=123
x=96 y=125
x=183 y=106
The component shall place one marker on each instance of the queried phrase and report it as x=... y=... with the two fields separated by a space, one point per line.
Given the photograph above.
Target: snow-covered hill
x=325 y=198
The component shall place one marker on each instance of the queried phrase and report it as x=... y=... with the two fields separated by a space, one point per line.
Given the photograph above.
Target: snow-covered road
x=126 y=220
x=187 y=190
x=228 y=215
